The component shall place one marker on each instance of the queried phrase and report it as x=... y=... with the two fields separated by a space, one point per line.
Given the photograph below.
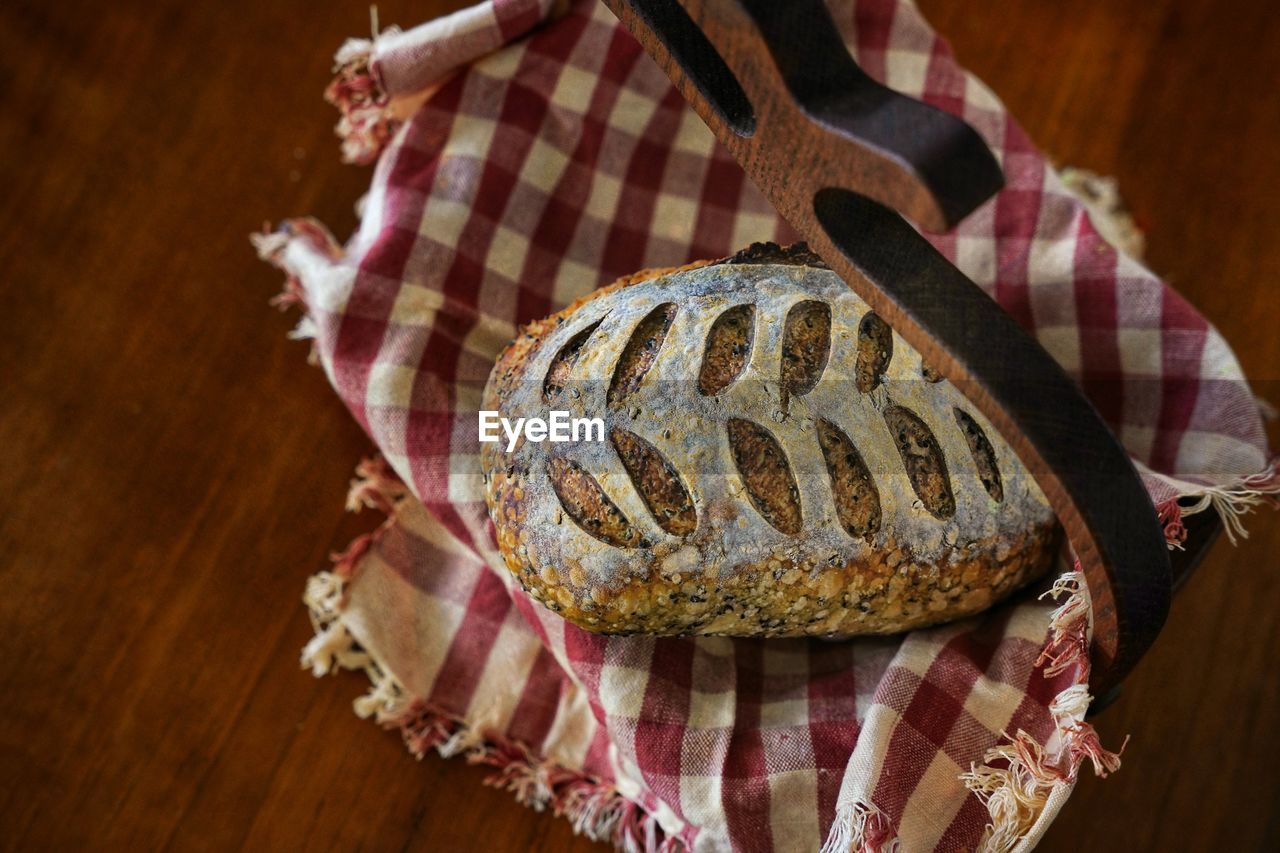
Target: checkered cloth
x=522 y=162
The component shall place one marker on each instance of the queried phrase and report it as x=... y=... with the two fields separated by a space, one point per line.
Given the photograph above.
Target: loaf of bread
x=775 y=461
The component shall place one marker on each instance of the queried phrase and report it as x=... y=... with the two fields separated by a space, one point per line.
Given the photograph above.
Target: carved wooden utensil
x=837 y=154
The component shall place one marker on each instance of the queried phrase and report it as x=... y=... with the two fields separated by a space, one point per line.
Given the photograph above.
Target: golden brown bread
x=776 y=462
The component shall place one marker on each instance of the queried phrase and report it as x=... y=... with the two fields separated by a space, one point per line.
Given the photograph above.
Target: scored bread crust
x=597 y=531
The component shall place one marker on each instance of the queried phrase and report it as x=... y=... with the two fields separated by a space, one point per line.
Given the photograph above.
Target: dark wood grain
x=171 y=471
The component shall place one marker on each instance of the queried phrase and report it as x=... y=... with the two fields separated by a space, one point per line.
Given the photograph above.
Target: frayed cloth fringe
x=272 y=246
x=861 y=828
x=595 y=808
x=1101 y=197
x=272 y=243
x=380 y=82
x=378 y=487
x=1169 y=514
x=333 y=647
x=1017 y=778
x=365 y=122
x=1070 y=626
x=1232 y=502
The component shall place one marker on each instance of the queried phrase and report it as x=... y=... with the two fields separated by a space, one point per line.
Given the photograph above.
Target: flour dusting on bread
x=779 y=463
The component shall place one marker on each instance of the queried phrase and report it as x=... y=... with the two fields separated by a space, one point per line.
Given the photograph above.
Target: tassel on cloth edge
x=380 y=82
x=299 y=248
x=365 y=122
x=861 y=828
x=1169 y=514
x=594 y=808
x=1016 y=779
x=1232 y=501
x=372 y=108
x=333 y=647
x=1107 y=211
x=378 y=487
x=375 y=486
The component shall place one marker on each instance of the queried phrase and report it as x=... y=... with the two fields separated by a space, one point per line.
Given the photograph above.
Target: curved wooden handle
x=837 y=153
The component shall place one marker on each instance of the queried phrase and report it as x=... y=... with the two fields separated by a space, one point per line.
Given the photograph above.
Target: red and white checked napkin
x=526 y=155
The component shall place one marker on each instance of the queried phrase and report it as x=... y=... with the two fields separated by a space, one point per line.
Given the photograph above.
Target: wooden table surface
x=171 y=470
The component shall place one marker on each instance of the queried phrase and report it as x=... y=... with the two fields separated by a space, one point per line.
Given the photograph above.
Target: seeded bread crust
x=690 y=518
